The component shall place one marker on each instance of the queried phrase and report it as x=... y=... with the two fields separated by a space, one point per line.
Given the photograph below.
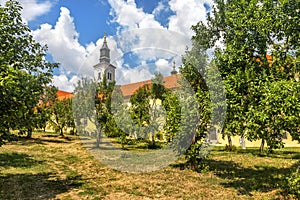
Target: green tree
x=260 y=46
x=92 y=105
x=83 y=105
x=103 y=99
x=193 y=127
x=61 y=115
x=120 y=112
x=157 y=89
x=156 y=111
x=147 y=109
x=140 y=106
x=171 y=105
x=277 y=113
x=23 y=71
x=44 y=107
x=195 y=71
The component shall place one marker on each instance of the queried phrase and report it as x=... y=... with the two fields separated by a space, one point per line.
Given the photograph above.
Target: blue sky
x=90 y=18
x=73 y=32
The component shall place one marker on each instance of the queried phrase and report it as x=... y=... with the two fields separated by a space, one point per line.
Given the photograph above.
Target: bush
x=230 y=148
x=292 y=183
x=197 y=154
x=159 y=135
x=72 y=132
x=127 y=141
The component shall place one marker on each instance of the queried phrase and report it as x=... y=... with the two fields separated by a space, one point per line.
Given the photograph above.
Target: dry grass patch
x=53 y=167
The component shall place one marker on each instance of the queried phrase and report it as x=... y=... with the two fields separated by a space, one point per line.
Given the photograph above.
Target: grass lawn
x=52 y=167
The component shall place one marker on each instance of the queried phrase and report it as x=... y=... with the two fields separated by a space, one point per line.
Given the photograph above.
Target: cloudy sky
x=144 y=35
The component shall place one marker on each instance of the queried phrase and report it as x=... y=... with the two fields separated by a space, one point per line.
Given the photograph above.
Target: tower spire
x=104 y=51
x=173 y=72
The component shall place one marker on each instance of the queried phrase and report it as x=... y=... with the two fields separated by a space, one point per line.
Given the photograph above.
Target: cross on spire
x=173 y=72
x=104 y=36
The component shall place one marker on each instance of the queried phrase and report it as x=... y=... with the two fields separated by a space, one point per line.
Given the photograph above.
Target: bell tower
x=104 y=68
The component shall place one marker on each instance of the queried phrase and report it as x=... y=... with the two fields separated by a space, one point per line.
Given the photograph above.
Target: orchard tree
x=259 y=46
x=171 y=105
x=103 y=107
x=44 y=106
x=120 y=111
x=195 y=72
x=23 y=71
x=140 y=106
x=277 y=113
x=62 y=115
x=146 y=106
x=139 y=111
x=92 y=104
x=156 y=111
x=83 y=105
x=60 y=111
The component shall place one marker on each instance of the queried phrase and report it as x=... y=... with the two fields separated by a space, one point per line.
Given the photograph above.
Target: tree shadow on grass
x=13 y=159
x=31 y=186
x=275 y=154
x=248 y=180
x=42 y=140
x=35 y=186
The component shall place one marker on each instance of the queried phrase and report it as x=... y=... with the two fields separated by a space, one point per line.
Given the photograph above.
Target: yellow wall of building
x=236 y=141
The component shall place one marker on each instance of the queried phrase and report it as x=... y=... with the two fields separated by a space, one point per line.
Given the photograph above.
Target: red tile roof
x=63 y=95
x=170 y=82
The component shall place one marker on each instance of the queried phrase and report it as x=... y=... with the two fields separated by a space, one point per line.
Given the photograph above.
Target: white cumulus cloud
x=33 y=8
x=62 y=41
x=132 y=75
x=63 y=83
x=187 y=13
x=163 y=66
x=129 y=16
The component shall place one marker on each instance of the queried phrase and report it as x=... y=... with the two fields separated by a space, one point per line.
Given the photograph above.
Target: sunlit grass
x=54 y=167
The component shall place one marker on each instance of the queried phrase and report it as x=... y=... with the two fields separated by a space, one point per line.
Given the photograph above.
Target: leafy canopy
x=23 y=71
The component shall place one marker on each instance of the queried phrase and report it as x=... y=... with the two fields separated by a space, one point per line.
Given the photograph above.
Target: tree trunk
x=74 y=131
x=98 y=139
x=29 y=133
x=229 y=140
x=243 y=143
x=98 y=136
x=61 y=132
x=193 y=164
x=153 y=140
x=261 y=148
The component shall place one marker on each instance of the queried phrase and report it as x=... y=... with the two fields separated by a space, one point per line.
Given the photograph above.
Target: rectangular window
x=109 y=76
